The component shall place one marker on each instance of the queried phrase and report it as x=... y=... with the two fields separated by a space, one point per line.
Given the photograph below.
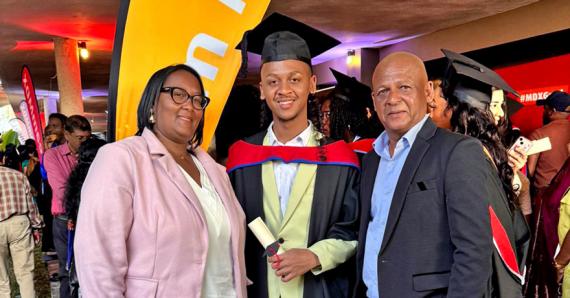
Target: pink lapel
x=168 y=164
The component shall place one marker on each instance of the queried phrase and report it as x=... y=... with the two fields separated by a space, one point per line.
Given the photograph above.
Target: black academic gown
x=503 y=283
x=334 y=215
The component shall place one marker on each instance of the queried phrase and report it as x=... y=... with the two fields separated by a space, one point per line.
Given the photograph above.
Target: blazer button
x=383 y=261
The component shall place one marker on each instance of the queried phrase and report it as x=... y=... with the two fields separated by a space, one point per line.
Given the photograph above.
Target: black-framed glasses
x=180 y=96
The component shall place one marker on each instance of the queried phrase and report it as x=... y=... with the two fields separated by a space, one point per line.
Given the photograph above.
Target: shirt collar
x=300 y=140
x=381 y=143
x=64 y=149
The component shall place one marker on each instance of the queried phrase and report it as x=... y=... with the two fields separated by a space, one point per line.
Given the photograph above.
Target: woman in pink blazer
x=158 y=217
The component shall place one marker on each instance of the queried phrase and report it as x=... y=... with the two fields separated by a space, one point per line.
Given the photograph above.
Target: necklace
x=183 y=157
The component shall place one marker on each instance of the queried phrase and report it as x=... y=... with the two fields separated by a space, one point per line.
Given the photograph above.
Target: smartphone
x=522 y=143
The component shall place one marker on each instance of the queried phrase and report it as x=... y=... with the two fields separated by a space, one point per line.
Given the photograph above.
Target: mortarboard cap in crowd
x=513 y=106
x=559 y=100
x=357 y=93
x=471 y=82
x=279 y=37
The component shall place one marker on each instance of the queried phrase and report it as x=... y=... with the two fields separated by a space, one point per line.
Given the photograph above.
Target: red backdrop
x=535 y=80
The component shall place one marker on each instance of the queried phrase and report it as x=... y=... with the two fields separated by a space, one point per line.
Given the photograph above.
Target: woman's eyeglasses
x=180 y=96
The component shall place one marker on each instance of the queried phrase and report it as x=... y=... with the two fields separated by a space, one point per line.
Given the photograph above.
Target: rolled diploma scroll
x=262 y=232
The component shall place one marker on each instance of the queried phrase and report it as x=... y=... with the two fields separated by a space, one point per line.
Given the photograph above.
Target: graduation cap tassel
x=243 y=69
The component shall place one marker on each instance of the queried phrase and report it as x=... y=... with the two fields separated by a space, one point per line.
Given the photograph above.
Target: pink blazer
x=141 y=231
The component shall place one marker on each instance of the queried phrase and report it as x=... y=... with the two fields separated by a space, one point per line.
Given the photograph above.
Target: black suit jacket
x=438 y=239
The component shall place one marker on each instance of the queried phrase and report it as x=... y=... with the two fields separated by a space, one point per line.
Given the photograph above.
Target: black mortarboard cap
x=357 y=93
x=470 y=81
x=279 y=37
x=513 y=106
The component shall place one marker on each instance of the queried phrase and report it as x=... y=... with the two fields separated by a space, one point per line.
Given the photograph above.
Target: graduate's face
x=401 y=92
x=285 y=86
x=325 y=115
x=438 y=108
x=496 y=107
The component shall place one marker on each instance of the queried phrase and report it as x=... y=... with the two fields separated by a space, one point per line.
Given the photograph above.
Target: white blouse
x=218 y=278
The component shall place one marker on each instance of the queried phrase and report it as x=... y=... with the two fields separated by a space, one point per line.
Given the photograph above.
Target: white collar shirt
x=285 y=172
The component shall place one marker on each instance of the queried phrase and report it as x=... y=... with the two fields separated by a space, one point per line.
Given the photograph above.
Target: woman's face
x=178 y=122
x=497 y=100
x=325 y=115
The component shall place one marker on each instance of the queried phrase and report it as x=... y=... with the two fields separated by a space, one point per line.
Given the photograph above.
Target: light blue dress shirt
x=386 y=179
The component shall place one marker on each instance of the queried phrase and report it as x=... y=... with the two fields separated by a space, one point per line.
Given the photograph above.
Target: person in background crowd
x=19 y=228
x=325 y=115
x=144 y=196
x=56 y=124
x=543 y=166
x=470 y=97
x=437 y=108
x=59 y=162
x=501 y=110
x=425 y=227
x=562 y=259
x=44 y=203
x=72 y=198
x=11 y=158
x=352 y=116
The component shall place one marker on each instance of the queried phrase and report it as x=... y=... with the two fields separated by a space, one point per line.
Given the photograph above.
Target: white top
x=285 y=172
x=218 y=277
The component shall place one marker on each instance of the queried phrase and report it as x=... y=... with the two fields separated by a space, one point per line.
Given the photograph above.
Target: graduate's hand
x=293 y=263
x=517 y=158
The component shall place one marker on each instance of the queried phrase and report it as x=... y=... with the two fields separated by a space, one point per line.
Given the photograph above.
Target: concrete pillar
x=50 y=106
x=68 y=76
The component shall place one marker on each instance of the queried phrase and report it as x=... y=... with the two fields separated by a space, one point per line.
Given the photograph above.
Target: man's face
x=56 y=127
x=75 y=138
x=285 y=86
x=400 y=92
x=438 y=110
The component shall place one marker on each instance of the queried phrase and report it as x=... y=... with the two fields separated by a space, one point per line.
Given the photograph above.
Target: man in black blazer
x=424 y=228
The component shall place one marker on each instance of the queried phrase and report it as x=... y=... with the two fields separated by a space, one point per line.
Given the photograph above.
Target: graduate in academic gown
x=302 y=185
x=351 y=114
x=467 y=87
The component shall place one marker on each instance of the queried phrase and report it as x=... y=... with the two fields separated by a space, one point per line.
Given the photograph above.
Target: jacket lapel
x=272 y=208
x=168 y=164
x=370 y=164
x=369 y=170
x=220 y=186
x=305 y=174
x=411 y=165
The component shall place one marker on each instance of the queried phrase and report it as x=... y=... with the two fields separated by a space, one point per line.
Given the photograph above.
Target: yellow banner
x=200 y=33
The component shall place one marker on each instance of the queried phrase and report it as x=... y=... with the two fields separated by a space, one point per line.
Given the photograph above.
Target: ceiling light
x=350 y=55
x=83 y=52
